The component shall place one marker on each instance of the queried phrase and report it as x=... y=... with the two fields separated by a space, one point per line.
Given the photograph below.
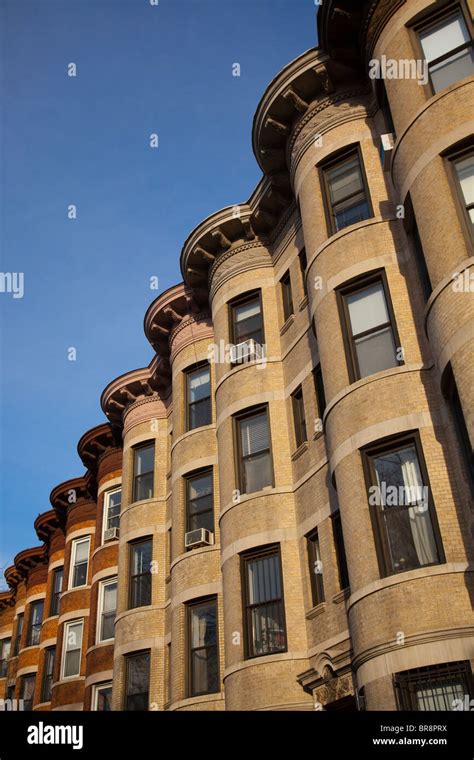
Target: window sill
x=287 y=324
x=303 y=303
x=341 y=595
x=316 y=611
x=299 y=451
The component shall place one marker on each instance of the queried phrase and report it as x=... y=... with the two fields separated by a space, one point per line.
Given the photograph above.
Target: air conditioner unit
x=111 y=533
x=247 y=351
x=200 y=537
x=386 y=150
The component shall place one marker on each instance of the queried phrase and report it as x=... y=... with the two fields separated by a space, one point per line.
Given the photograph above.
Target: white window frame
x=75 y=543
x=95 y=692
x=107 y=496
x=100 y=607
x=65 y=638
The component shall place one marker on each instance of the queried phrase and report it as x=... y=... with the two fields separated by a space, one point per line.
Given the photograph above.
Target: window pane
x=110 y=597
x=345 y=180
x=257 y=472
x=376 y=352
x=104 y=699
x=350 y=212
x=465 y=172
x=367 y=308
x=138 y=674
x=453 y=69
x=445 y=36
x=409 y=531
x=200 y=413
x=81 y=552
x=79 y=577
x=254 y=434
x=440 y=697
x=144 y=460
x=205 y=671
x=203 y=625
x=268 y=633
x=248 y=321
x=199 y=384
x=72 y=665
x=58 y=581
x=264 y=579
x=143 y=488
x=141 y=558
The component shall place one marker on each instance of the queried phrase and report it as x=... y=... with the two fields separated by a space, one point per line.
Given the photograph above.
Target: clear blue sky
x=85 y=141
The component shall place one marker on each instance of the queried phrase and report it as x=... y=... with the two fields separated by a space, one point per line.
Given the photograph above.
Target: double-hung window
x=198 y=383
x=369 y=327
x=107 y=609
x=286 y=295
x=143 y=471
x=402 y=509
x=56 y=588
x=346 y=192
x=18 y=634
x=102 y=697
x=203 y=656
x=79 y=562
x=297 y=402
x=264 y=615
x=27 y=691
x=246 y=319
x=140 y=573
x=72 y=647
x=447 y=47
x=255 y=467
x=199 y=502
x=4 y=655
x=48 y=668
x=438 y=688
x=34 y=623
x=137 y=681
x=112 y=503
x=315 y=568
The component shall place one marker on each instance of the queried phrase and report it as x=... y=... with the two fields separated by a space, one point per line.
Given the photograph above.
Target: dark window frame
x=299 y=419
x=451 y=394
x=238 y=457
x=20 y=624
x=193 y=476
x=251 y=295
x=28 y=703
x=48 y=671
x=286 y=296
x=189 y=371
x=331 y=162
x=319 y=390
x=135 y=480
x=349 y=288
x=4 y=659
x=429 y=18
x=313 y=547
x=33 y=634
x=132 y=576
x=406 y=682
x=246 y=558
x=303 y=262
x=455 y=153
x=128 y=657
x=55 y=595
x=201 y=602
x=413 y=234
x=340 y=551
x=368 y=454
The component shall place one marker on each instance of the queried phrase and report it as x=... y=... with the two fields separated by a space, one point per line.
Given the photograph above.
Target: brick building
x=278 y=512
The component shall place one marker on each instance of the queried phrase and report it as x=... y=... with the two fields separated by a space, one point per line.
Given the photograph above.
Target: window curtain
x=419 y=514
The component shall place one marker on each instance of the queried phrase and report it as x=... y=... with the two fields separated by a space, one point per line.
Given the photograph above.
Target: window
x=143 y=472
x=168 y=671
x=140 y=573
x=255 y=459
x=246 y=319
x=370 y=333
x=286 y=296
x=411 y=228
x=437 y=687
x=199 y=502
x=462 y=166
x=447 y=48
x=56 y=588
x=198 y=382
x=18 y=634
x=346 y=192
x=107 y=609
x=34 y=623
x=137 y=681
x=303 y=268
x=402 y=512
x=48 y=668
x=298 y=416
x=27 y=691
x=112 y=504
x=338 y=538
x=102 y=697
x=203 y=656
x=315 y=568
x=72 y=648
x=319 y=390
x=5 y=645
x=79 y=562
x=451 y=393
x=264 y=613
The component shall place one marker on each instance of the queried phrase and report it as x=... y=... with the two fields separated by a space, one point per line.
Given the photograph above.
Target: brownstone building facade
x=278 y=513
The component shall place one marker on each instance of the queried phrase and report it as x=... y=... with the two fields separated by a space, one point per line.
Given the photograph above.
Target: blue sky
x=84 y=140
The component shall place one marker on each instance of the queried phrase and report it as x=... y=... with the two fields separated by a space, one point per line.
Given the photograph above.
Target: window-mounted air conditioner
x=111 y=533
x=199 y=537
x=247 y=351
x=386 y=150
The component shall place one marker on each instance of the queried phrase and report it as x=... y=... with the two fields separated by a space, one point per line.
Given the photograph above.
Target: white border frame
x=63 y=654
x=105 y=509
x=95 y=692
x=72 y=562
x=100 y=607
